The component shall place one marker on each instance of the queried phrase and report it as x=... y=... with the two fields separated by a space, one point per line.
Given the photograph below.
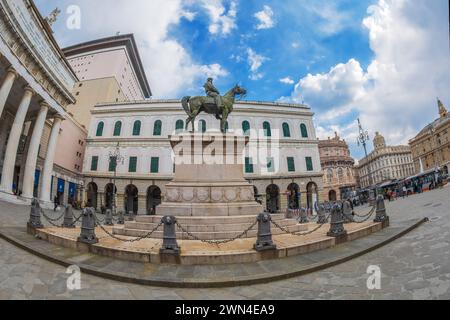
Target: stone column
x=30 y=165
x=5 y=89
x=48 y=165
x=13 y=142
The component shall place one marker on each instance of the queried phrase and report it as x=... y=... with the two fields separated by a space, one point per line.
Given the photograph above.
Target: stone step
x=121 y=231
x=220 y=220
x=191 y=227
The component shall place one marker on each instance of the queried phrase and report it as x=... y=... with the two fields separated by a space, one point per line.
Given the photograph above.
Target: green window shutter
x=202 y=126
x=309 y=164
x=267 y=130
x=270 y=165
x=94 y=163
x=179 y=126
x=246 y=128
x=286 y=130
x=117 y=129
x=291 y=164
x=100 y=127
x=157 y=128
x=154 y=167
x=133 y=164
x=304 y=131
x=248 y=165
x=112 y=164
x=137 y=128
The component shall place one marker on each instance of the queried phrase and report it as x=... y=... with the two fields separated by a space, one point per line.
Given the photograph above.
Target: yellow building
x=431 y=147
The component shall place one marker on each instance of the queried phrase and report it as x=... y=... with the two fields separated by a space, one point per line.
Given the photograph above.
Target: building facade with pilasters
x=289 y=174
x=35 y=87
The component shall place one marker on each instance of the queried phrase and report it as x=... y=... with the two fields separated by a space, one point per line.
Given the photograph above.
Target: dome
x=379 y=141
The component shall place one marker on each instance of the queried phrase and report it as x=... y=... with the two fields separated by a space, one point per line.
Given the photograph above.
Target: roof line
x=129 y=41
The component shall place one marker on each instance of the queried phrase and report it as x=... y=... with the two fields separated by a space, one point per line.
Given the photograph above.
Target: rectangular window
x=270 y=165
x=112 y=164
x=248 y=165
x=154 y=167
x=291 y=164
x=309 y=164
x=133 y=164
x=94 y=163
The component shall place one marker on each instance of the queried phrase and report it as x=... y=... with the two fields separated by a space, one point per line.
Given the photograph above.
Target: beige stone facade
x=337 y=167
x=431 y=147
x=385 y=163
x=297 y=169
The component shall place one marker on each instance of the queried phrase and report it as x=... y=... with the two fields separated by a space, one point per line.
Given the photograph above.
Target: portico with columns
x=35 y=87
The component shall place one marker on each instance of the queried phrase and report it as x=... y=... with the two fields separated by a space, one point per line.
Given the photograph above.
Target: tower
x=379 y=141
x=442 y=109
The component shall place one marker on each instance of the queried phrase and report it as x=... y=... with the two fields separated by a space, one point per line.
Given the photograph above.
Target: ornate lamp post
x=363 y=138
x=114 y=158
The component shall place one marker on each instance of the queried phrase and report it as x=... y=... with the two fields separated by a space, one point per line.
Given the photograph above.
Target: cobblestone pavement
x=416 y=266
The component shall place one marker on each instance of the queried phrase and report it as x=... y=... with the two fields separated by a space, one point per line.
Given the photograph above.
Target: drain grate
x=437 y=205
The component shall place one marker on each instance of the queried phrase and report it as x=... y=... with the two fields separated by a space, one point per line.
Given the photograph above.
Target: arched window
x=117 y=128
x=157 y=128
x=179 y=126
x=202 y=126
x=286 y=130
x=246 y=128
x=137 y=128
x=267 y=130
x=304 y=130
x=100 y=127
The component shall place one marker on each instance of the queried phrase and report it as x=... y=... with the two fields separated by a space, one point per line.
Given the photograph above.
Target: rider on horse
x=211 y=91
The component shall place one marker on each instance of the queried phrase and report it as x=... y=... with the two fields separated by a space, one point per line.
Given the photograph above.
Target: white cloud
x=255 y=62
x=265 y=18
x=287 y=80
x=396 y=93
x=222 y=22
x=295 y=45
x=329 y=18
x=169 y=67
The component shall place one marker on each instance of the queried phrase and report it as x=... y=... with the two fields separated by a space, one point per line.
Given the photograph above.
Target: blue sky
x=384 y=61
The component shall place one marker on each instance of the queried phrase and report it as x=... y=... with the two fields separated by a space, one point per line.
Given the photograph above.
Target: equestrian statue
x=213 y=103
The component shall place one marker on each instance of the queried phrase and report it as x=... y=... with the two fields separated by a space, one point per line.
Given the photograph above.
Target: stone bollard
x=88 y=227
x=264 y=241
x=170 y=245
x=68 y=218
x=303 y=216
x=109 y=218
x=347 y=212
x=337 y=229
x=120 y=218
x=35 y=216
x=320 y=208
x=381 y=216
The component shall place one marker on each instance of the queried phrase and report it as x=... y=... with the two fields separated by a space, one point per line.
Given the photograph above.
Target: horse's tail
x=185 y=103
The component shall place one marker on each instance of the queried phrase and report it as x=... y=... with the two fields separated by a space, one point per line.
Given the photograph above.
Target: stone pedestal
x=209 y=177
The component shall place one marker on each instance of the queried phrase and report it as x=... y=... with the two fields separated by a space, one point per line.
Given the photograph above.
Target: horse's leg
x=223 y=121
x=194 y=116
x=187 y=123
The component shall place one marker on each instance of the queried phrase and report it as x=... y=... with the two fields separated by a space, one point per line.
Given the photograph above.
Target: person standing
x=56 y=202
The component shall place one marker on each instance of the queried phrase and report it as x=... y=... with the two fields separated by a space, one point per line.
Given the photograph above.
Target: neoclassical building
x=289 y=174
x=385 y=163
x=431 y=147
x=337 y=167
x=36 y=82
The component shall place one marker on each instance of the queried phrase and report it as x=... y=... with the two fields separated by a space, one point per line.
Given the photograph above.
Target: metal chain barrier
x=217 y=242
x=368 y=214
x=362 y=221
x=148 y=235
x=52 y=221
x=285 y=230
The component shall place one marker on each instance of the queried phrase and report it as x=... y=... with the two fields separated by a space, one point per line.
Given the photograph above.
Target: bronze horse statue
x=195 y=105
